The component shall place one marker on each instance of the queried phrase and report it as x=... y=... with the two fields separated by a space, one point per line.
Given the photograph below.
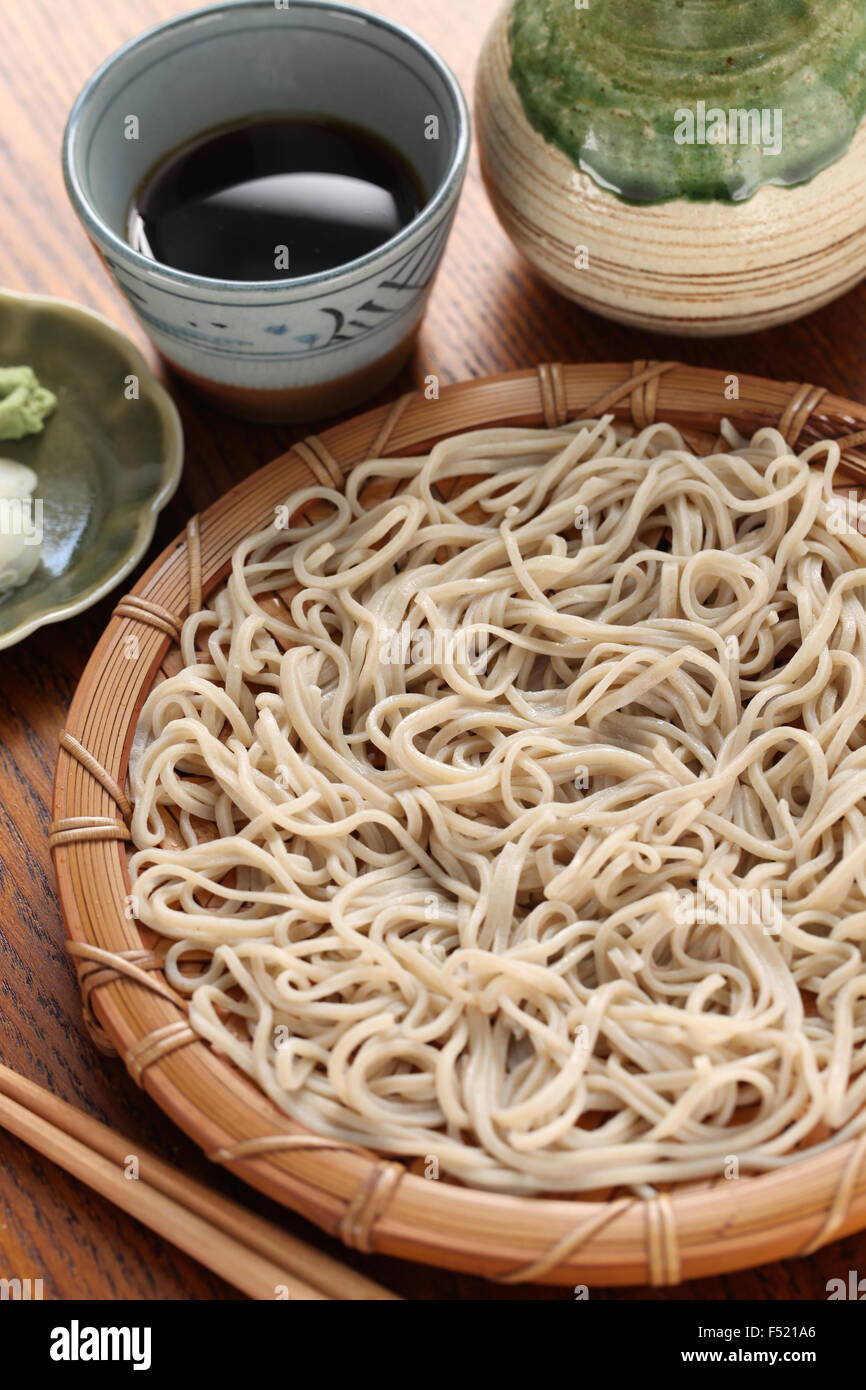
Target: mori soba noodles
x=526 y=830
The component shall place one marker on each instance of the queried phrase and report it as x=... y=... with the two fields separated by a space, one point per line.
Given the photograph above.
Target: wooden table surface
x=488 y=314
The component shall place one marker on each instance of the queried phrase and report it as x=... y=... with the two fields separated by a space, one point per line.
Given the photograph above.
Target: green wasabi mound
x=24 y=404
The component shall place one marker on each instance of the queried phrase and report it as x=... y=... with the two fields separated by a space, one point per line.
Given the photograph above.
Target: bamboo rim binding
x=370 y=1202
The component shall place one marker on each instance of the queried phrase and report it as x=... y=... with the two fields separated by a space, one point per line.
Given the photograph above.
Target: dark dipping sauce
x=274 y=198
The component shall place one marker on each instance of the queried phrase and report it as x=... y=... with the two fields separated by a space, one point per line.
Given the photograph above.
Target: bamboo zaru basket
x=688 y=1231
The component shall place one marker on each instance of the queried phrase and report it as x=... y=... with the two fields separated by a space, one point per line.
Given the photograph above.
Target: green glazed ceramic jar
x=685 y=165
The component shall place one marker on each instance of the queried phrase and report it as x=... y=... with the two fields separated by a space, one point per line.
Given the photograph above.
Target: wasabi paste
x=24 y=404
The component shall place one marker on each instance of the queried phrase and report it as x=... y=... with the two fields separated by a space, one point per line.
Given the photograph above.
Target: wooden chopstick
x=234 y=1262
x=241 y=1247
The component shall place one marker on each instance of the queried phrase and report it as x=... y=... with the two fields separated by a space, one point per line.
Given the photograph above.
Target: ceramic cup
x=279 y=349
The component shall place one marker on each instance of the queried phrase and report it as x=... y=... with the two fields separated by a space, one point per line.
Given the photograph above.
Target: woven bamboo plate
x=686 y=1232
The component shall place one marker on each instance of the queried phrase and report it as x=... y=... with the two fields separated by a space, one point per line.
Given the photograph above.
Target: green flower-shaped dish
x=108 y=460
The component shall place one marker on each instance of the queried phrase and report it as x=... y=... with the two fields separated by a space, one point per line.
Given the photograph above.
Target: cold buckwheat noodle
x=528 y=832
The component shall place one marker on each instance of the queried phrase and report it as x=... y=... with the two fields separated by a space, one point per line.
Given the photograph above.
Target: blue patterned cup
x=277 y=349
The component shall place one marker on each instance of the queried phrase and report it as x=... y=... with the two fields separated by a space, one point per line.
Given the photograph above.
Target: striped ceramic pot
x=691 y=169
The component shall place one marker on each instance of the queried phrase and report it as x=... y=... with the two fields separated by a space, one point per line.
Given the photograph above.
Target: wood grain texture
x=488 y=314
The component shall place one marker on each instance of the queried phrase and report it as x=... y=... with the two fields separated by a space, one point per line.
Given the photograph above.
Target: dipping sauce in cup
x=272 y=190
x=274 y=196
